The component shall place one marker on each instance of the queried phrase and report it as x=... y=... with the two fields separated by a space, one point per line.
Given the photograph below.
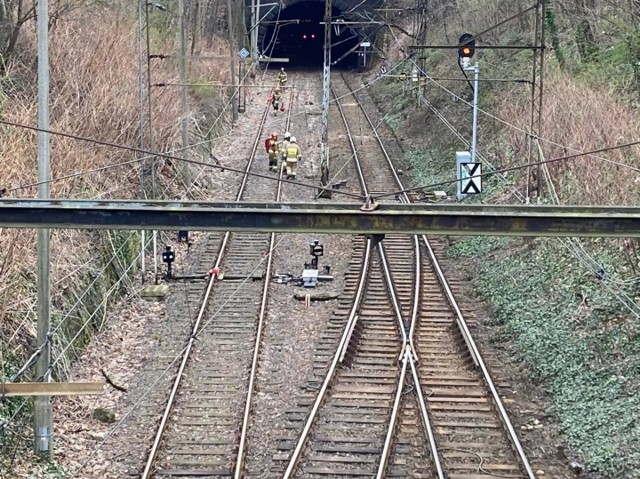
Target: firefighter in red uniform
x=272 y=146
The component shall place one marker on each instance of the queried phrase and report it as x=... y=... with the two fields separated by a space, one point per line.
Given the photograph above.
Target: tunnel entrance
x=298 y=34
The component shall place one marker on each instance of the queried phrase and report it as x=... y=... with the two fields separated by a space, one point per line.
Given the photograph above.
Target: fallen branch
x=111 y=383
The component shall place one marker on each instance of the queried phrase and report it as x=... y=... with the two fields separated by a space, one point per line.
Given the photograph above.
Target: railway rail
x=204 y=428
x=403 y=333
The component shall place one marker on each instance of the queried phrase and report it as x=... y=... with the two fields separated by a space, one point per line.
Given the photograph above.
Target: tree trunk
x=585 y=37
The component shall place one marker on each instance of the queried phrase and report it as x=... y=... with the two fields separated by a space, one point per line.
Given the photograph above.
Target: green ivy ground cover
x=577 y=338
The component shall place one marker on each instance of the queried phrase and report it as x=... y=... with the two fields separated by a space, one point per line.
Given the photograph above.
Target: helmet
x=293 y=139
x=287 y=135
x=282 y=69
x=274 y=134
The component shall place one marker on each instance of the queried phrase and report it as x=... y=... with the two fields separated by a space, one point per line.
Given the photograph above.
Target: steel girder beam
x=347 y=218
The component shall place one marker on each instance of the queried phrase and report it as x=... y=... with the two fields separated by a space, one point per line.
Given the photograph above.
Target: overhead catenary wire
x=522 y=130
x=577 y=249
x=194 y=335
x=151 y=154
x=31 y=360
x=29 y=363
x=512 y=168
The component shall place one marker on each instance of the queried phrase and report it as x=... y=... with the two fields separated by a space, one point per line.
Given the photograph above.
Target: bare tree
x=585 y=37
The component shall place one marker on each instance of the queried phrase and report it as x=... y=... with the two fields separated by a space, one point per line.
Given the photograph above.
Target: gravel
x=142 y=338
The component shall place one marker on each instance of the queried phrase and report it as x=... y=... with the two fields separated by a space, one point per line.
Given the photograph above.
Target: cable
x=150 y=154
x=513 y=168
x=490 y=115
x=589 y=262
x=551 y=142
x=29 y=363
x=162 y=155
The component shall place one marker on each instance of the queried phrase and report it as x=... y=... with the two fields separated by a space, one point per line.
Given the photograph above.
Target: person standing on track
x=283 y=148
x=272 y=147
x=276 y=100
x=294 y=154
x=282 y=78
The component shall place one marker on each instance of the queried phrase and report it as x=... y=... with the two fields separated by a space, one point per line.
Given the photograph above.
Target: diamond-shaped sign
x=244 y=53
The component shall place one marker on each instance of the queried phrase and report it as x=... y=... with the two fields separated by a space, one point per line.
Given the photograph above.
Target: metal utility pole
x=326 y=76
x=255 y=16
x=232 y=61
x=151 y=142
x=537 y=84
x=43 y=421
x=421 y=13
x=143 y=192
x=150 y=110
x=184 y=122
x=474 y=131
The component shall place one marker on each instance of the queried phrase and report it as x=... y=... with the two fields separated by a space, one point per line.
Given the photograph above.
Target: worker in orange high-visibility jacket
x=294 y=154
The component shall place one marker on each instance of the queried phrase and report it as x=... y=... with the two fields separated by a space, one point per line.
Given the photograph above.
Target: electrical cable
x=165 y=155
x=179 y=355
x=38 y=351
x=512 y=168
x=631 y=305
x=29 y=363
x=490 y=115
x=521 y=130
x=272 y=42
x=161 y=155
x=577 y=249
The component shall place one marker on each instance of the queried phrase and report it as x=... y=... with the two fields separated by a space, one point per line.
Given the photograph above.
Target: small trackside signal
x=466 y=46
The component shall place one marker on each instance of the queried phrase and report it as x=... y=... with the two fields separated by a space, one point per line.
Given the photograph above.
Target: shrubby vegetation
x=578 y=339
x=94 y=93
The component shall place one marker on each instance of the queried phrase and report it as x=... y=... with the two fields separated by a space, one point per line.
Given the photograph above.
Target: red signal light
x=304 y=36
x=313 y=35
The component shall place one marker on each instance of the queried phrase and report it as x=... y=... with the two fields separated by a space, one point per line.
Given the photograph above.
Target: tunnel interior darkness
x=298 y=34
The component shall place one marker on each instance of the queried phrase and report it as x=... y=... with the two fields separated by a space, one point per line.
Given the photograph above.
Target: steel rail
x=394 y=297
x=344 y=342
x=426 y=421
x=406 y=357
x=409 y=347
x=386 y=448
x=187 y=351
x=466 y=334
x=261 y=316
x=464 y=329
x=480 y=362
x=363 y=183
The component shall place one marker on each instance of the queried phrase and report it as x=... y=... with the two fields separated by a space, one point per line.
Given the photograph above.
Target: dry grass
x=583 y=118
x=94 y=94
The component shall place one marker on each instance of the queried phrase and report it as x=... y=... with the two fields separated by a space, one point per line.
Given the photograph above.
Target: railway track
x=204 y=428
x=404 y=391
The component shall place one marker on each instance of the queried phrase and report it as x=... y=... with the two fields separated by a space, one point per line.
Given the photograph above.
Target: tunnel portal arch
x=293 y=29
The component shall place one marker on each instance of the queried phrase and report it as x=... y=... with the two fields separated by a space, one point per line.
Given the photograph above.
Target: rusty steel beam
x=347 y=218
